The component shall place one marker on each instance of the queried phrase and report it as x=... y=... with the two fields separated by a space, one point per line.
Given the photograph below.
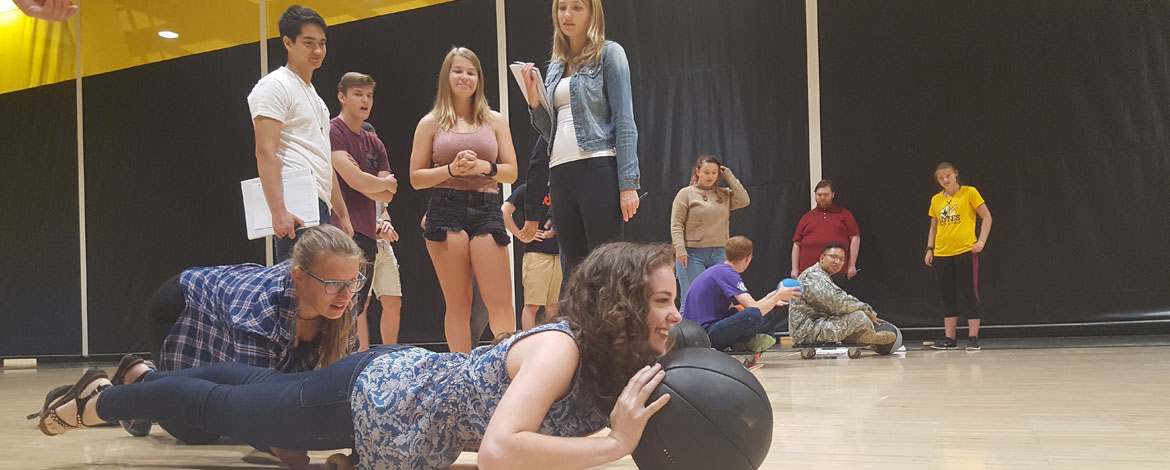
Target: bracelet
x=929 y=248
x=449 y=170
x=494 y=169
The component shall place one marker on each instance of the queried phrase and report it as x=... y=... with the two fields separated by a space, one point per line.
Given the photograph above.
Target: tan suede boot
x=883 y=337
x=857 y=338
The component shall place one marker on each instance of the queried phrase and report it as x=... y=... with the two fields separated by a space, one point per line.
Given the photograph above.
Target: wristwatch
x=494 y=170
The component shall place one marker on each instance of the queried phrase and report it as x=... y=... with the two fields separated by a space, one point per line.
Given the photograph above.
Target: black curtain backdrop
x=40 y=273
x=1057 y=111
x=708 y=77
x=166 y=146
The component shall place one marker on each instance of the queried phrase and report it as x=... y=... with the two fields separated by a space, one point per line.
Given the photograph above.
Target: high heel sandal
x=73 y=394
x=49 y=398
x=128 y=362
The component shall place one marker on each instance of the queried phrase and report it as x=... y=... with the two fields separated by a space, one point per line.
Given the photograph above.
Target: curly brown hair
x=606 y=302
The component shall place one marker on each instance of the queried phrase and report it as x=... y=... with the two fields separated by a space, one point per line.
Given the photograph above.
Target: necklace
x=312 y=106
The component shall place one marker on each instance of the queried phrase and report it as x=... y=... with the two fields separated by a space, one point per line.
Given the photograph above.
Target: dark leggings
x=304 y=410
x=586 y=209
x=958 y=278
x=164 y=309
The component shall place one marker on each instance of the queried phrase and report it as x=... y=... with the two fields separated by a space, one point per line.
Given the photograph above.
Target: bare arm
x=770 y=301
x=422 y=176
x=48 y=10
x=506 y=161
x=765 y=304
x=930 y=241
x=357 y=179
x=508 y=209
x=339 y=208
x=984 y=228
x=545 y=372
x=795 y=259
x=388 y=195
x=854 y=250
x=268 y=166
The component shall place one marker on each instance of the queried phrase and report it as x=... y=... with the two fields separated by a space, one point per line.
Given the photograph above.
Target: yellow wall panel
x=118 y=34
x=33 y=52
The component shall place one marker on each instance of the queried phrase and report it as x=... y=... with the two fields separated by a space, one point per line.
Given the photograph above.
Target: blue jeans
x=698 y=260
x=741 y=327
x=306 y=410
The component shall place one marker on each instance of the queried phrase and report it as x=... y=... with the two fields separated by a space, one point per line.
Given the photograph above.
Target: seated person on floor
x=712 y=298
x=826 y=313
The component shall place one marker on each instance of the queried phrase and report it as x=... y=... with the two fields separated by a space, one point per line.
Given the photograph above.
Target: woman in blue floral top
x=528 y=401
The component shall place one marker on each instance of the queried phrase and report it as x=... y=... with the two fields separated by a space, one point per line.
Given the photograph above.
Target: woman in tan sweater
x=699 y=219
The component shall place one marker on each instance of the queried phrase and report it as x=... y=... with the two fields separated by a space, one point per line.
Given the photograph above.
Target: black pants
x=586 y=209
x=304 y=410
x=165 y=308
x=369 y=249
x=958 y=278
x=284 y=246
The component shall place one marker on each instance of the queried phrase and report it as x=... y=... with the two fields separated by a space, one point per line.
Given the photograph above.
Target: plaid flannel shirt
x=242 y=313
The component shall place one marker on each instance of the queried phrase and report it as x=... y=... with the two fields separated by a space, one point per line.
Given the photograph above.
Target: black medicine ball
x=718 y=416
x=688 y=334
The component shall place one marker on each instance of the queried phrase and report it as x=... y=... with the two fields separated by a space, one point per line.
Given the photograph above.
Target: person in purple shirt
x=364 y=177
x=719 y=301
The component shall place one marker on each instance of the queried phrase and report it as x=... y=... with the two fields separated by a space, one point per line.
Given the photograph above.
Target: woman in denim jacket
x=593 y=142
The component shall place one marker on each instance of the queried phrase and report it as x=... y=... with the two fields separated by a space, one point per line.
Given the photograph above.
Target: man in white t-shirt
x=291 y=124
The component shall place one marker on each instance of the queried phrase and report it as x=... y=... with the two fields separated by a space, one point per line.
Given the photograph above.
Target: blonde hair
x=311 y=245
x=594 y=37
x=444 y=110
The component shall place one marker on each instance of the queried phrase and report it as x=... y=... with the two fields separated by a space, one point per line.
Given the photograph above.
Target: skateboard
x=809 y=350
x=750 y=360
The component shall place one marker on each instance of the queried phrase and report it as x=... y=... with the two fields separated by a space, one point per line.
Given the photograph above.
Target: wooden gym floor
x=1067 y=408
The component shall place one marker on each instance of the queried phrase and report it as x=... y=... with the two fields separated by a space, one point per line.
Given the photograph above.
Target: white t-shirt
x=304 y=138
x=565 y=148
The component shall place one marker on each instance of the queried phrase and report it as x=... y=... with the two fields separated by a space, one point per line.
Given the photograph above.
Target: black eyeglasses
x=334 y=287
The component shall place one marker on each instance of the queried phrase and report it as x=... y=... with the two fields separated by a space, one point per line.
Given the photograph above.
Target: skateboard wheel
x=854 y=353
x=338 y=462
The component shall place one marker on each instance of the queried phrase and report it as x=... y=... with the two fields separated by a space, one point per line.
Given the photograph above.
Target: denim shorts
x=452 y=210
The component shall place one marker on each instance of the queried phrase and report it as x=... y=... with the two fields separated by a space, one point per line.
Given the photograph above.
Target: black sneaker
x=973 y=344
x=945 y=343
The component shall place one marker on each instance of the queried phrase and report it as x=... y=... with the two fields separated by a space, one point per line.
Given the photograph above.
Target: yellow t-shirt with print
x=956 y=220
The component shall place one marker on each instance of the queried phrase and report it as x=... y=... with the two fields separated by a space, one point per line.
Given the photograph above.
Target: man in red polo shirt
x=826 y=223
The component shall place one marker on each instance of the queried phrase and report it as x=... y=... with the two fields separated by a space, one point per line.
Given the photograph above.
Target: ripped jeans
x=453 y=210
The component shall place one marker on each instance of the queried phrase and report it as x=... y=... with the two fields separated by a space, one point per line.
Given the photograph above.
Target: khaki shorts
x=542 y=278
x=386 y=280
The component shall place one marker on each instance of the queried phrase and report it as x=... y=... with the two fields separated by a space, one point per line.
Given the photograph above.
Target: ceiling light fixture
x=168 y=34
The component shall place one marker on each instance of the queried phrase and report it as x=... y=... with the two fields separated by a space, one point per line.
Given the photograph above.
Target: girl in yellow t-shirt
x=953 y=251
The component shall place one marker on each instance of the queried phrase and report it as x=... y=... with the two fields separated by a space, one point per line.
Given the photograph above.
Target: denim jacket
x=603 y=110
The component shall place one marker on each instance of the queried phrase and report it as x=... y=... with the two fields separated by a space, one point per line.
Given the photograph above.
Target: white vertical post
x=812 y=38
x=78 y=72
x=502 y=72
x=264 y=71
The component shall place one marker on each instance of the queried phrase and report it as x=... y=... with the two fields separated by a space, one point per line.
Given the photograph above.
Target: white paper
x=518 y=74
x=300 y=198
